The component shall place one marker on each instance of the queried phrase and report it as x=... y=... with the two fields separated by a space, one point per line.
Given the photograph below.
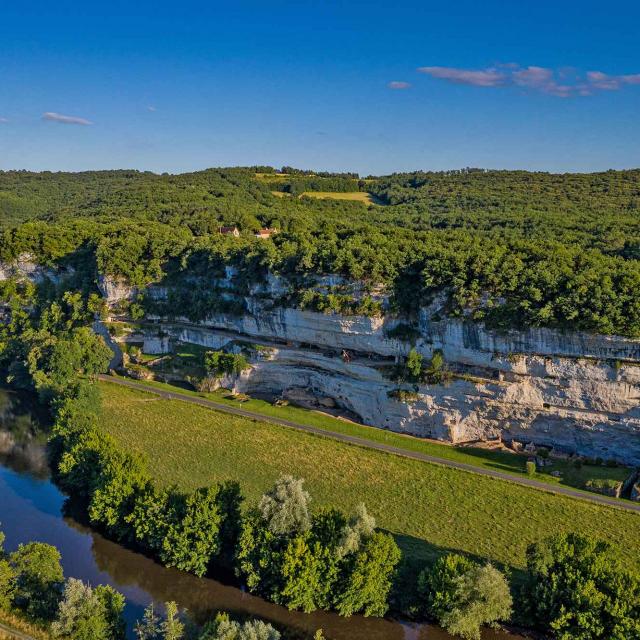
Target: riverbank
x=33 y=508
x=430 y=508
x=13 y=627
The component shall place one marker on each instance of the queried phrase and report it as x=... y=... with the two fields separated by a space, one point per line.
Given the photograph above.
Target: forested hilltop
x=510 y=248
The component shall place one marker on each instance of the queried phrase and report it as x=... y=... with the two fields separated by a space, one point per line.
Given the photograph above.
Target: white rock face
x=25 y=268
x=156 y=345
x=573 y=391
x=578 y=393
x=115 y=290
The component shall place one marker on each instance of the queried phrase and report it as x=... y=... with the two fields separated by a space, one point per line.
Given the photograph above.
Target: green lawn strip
x=493 y=460
x=430 y=508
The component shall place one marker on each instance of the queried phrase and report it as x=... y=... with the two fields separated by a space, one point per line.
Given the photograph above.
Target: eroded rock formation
x=576 y=392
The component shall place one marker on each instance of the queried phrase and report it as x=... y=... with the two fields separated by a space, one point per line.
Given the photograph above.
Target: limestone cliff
x=576 y=392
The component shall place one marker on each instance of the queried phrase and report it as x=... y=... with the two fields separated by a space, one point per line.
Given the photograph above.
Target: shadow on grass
x=418 y=554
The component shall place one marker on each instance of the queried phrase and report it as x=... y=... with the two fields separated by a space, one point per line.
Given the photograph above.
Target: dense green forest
x=510 y=248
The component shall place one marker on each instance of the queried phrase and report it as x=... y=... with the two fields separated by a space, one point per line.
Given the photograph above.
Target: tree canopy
x=510 y=248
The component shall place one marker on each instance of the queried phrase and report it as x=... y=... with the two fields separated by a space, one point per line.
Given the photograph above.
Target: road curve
x=368 y=444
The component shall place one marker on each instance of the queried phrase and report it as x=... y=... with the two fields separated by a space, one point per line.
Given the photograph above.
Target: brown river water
x=31 y=508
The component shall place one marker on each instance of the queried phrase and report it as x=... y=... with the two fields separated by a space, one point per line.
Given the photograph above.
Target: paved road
x=12 y=633
x=369 y=444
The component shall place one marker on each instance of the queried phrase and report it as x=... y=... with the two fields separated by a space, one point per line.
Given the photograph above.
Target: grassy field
x=353 y=196
x=503 y=461
x=430 y=508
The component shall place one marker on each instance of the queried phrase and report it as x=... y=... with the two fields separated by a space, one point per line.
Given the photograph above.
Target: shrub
x=136 y=311
x=219 y=363
x=404 y=332
x=403 y=395
x=436 y=373
x=531 y=468
x=413 y=365
x=606 y=486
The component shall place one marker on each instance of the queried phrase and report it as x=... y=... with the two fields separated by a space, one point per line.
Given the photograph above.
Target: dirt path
x=12 y=633
x=369 y=444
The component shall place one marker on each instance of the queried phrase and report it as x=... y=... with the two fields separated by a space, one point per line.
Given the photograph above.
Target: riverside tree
x=38 y=580
x=285 y=508
x=7 y=578
x=85 y=613
x=463 y=595
x=192 y=537
x=223 y=628
x=309 y=561
x=578 y=591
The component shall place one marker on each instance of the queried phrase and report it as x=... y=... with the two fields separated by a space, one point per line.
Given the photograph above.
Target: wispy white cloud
x=3 y=120
x=399 y=85
x=599 y=80
x=562 y=83
x=605 y=82
x=151 y=108
x=58 y=117
x=480 y=78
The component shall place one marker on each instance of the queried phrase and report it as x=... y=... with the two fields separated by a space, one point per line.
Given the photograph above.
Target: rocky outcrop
x=575 y=392
x=24 y=267
x=115 y=290
x=576 y=405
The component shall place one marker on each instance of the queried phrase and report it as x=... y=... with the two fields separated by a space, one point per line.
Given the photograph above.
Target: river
x=32 y=508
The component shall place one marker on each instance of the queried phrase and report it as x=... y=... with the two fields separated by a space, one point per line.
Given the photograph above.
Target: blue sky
x=180 y=86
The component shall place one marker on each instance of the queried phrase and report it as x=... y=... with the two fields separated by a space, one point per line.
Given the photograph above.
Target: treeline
x=513 y=249
x=507 y=284
x=33 y=590
x=574 y=589
x=281 y=550
x=597 y=210
x=296 y=184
